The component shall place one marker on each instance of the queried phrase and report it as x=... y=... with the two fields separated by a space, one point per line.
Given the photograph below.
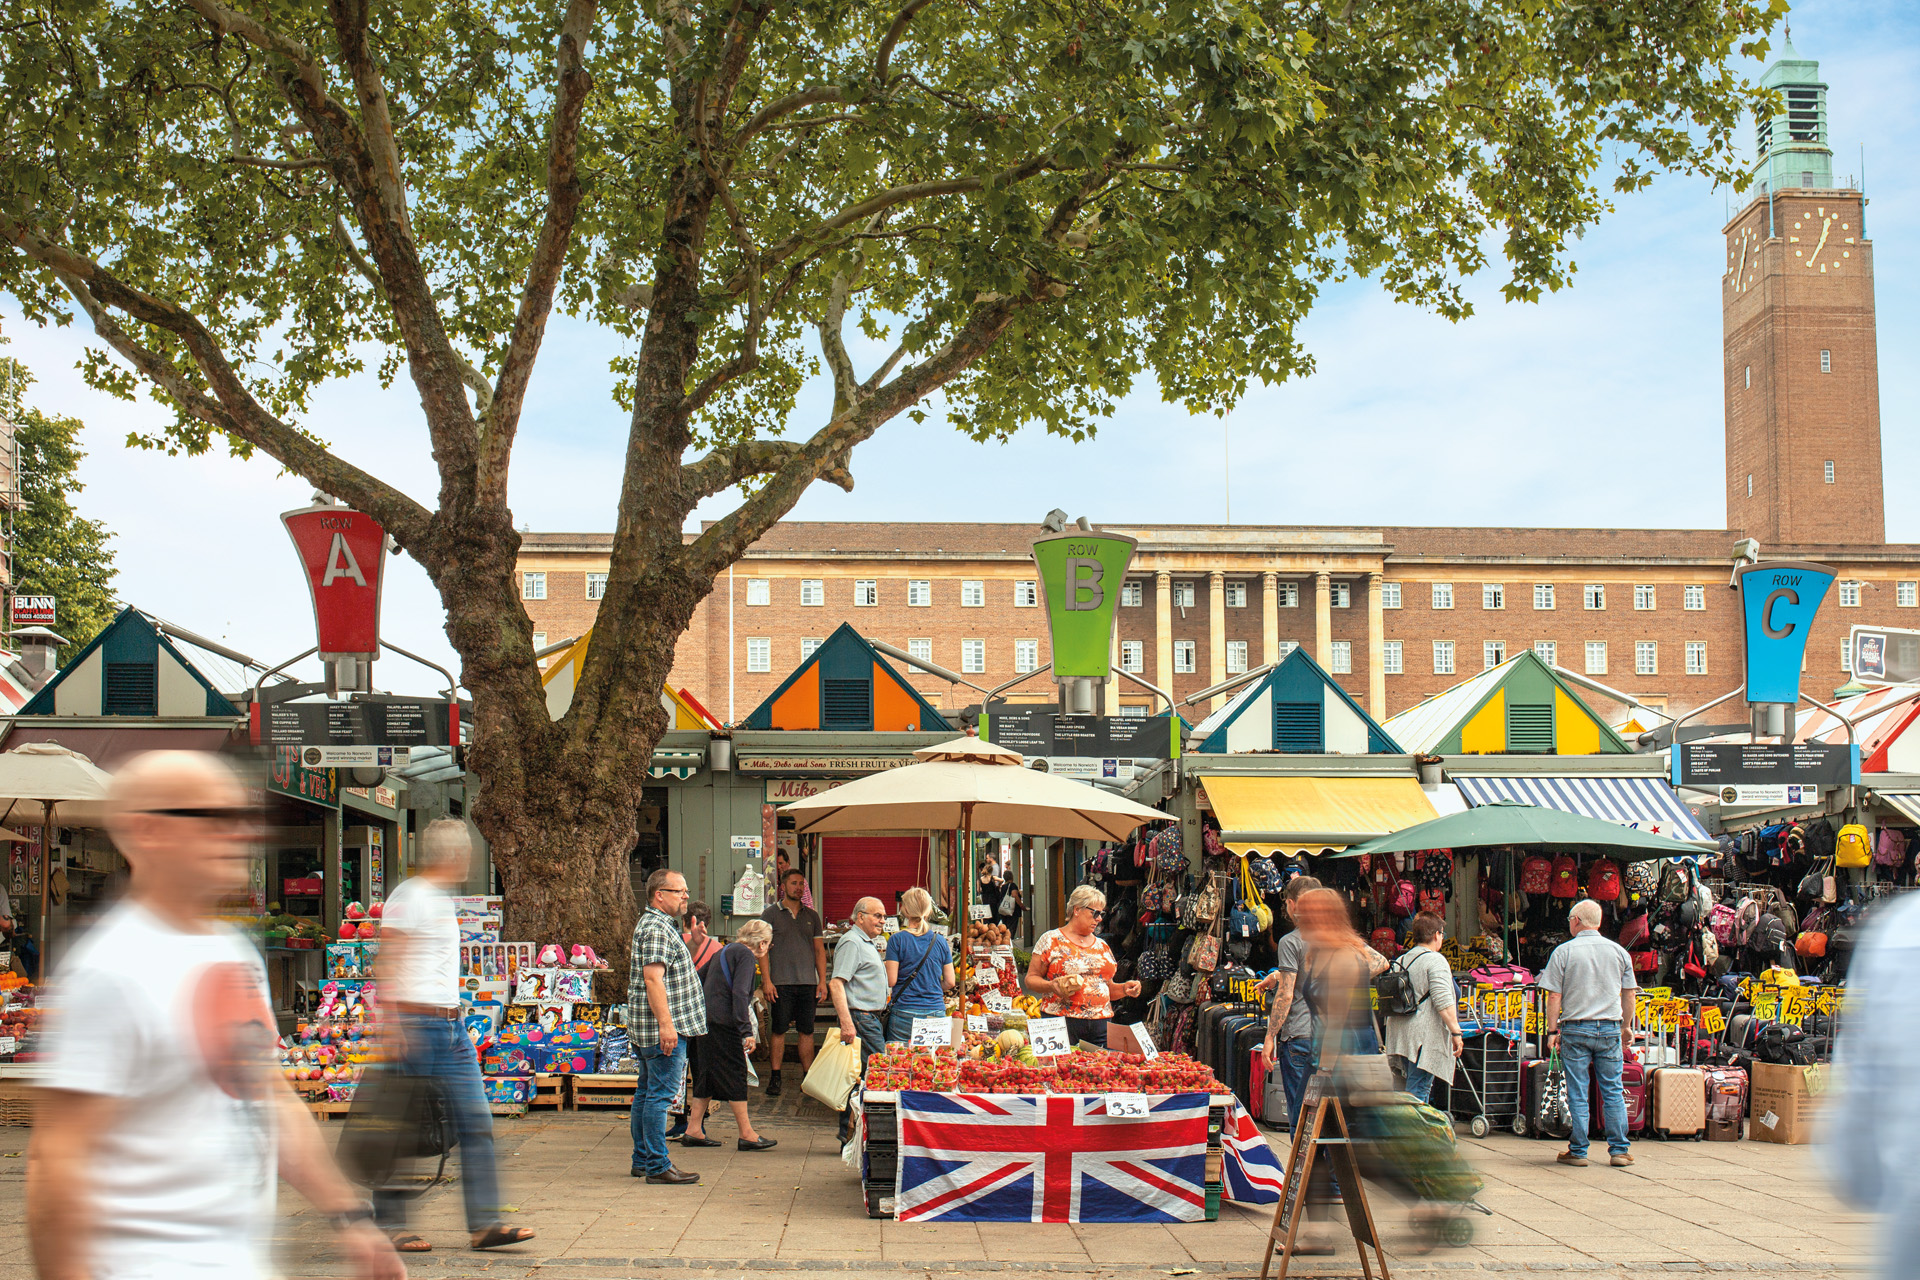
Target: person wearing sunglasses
x=1072 y=970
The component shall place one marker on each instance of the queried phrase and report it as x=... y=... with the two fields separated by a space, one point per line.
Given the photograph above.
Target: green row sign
x=1081 y=573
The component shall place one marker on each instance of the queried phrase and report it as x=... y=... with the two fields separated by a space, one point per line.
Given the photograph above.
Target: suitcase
x=1246 y=1047
x=1232 y=1064
x=1257 y=1084
x=1677 y=1098
x=1275 y=1103
x=1726 y=1103
x=1207 y=1041
x=1633 y=1085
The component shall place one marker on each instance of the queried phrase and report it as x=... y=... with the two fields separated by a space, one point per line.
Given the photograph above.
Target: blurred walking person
x=165 y=1119
x=420 y=988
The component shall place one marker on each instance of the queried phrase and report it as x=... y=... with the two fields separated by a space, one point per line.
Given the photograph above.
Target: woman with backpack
x=1416 y=995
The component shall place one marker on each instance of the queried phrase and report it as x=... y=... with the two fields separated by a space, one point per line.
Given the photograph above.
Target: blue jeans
x=1296 y=1068
x=660 y=1078
x=1589 y=1048
x=1419 y=1082
x=439 y=1048
x=873 y=1039
x=900 y=1022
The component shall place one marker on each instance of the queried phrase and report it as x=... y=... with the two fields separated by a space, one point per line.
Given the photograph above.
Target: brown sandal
x=407 y=1242
x=496 y=1235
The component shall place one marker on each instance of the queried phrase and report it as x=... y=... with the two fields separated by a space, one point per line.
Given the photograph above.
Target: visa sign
x=1778 y=599
x=1081 y=574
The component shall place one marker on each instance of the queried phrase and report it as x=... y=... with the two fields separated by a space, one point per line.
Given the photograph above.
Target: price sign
x=976 y=1022
x=932 y=1033
x=989 y=972
x=893 y=924
x=979 y=911
x=1127 y=1105
x=1827 y=999
x=1003 y=952
x=1148 y=1049
x=7 y=1045
x=1048 y=1036
x=997 y=1003
x=1712 y=1020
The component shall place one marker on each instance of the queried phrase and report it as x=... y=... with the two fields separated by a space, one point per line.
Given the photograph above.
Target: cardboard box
x=1785 y=1103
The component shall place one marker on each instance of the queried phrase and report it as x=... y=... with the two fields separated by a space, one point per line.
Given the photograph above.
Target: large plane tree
x=1032 y=205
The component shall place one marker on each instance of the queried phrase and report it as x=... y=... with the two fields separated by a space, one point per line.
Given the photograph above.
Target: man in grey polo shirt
x=793 y=977
x=860 y=988
x=1590 y=996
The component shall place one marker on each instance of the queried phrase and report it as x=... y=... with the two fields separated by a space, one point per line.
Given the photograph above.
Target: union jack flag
x=1050 y=1158
x=1253 y=1171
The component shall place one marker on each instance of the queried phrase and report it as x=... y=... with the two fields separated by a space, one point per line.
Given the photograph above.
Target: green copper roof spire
x=1794 y=150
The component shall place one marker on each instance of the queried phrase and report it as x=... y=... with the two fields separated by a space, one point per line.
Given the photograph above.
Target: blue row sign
x=1778 y=599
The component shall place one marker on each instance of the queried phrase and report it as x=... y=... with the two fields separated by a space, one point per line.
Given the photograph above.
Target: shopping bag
x=835 y=1072
x=396 y=1119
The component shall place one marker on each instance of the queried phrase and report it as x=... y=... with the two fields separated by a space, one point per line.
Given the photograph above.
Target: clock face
x=1743 y=259
x=1823 y=242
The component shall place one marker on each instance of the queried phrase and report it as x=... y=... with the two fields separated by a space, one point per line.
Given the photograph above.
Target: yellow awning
x=1312 y=815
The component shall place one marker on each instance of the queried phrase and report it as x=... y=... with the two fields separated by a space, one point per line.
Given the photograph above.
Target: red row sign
x=33 y=611
x=343 y=552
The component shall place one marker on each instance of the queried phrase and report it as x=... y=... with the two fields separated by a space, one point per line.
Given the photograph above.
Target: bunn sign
x=33 y=611
x=1778 y=599
x=1081 y=573
x=343 y=553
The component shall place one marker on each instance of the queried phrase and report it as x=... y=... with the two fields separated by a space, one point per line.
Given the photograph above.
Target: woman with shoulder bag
x=1424 y=1043
x=919 y=968
x=719 y=1058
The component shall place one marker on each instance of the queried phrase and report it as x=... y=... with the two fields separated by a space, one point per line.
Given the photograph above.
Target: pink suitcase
x=1726 y=1103
x=1677 y=1100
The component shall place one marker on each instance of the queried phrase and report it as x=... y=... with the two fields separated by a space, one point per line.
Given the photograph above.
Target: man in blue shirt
x=1590 y=993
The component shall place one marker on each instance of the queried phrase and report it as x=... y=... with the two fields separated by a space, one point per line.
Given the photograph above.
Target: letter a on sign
x=342 y=553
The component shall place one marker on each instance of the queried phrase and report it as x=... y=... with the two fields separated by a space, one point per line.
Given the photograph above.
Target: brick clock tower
x=1803 y=382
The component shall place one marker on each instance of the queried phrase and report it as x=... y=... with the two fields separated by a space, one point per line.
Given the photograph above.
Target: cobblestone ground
x=1744 y=1207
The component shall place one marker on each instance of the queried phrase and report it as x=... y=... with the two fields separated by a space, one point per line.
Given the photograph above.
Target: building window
x=1389 y=595
x=1390 y=658
x=919 y=593
x=1341 y=593
x=1183 y=594
x=1694 y=597
x=1906 y=594
x=1443 y=595
x=539 y=642
x=1547 y=651
x=1749 y=377
x=813 y=591
x=1236 y=657
x=1829 y=470
x=973 y=594
x=973 y=656
x=1026 y=595
x=1493 y=653
x=1133 y=655
x=1493 y=595
x=1696 y=657
x=1236 y=595
x=1133 y=711
x=1596 y=657
x=1849 y=593
x=1595 y=596
x=866 y=593
x=1646 y=658
x=533 y=586
x=758 y=591
x=1183 y=661
x=1341 y=658
x=1543 y=595
x=1749 y=484
x=1132 y=595
x=921 y=648
x=1287 y=595
x=1443 y=657
x=1287 y=647
x=596 y=586
x=759 y=653
x=1826 y=362
x=1026 y=656
x=1846 y=655
x=1643 y=598
x=807 y=646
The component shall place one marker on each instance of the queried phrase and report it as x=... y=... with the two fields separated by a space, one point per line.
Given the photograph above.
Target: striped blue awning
x=675 y=764
x=1646 y=803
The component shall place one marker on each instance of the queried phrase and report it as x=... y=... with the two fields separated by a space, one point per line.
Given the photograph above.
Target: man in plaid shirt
x=665 y=1005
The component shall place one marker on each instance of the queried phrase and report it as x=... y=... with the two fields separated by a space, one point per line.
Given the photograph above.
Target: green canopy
x=1509 y=822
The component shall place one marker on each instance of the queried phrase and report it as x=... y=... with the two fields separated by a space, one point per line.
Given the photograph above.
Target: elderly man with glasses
x=859 y=989
x=665 y=1006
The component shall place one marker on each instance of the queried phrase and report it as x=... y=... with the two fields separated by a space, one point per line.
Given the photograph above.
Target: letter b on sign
x=1081 y=573
x=1084 y=591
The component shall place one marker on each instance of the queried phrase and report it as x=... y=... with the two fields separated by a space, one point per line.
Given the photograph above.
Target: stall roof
x=1647 y=804
x=1517 y=706
x=1312 y=815
x=845 y=684
x=1296 y=707
x=563 y=673
x=112 y=745
x=130 y=669
x=1881 y=719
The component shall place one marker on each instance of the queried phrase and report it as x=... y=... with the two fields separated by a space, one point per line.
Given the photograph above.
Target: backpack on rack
x=1404 y=899
x=1642 y=880
x=1536 y=876
x=1603 y=881
x=1566 y=877
x=1850 y=846
x=1890 y=849
x=1436 y=870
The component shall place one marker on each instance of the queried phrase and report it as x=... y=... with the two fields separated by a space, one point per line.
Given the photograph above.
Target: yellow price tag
x=1712 y=1020
x=1766 y=1005
x=1796 y=1004
x=1828 y=1000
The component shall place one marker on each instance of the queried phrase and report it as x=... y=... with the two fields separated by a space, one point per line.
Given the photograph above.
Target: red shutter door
x=854 y=867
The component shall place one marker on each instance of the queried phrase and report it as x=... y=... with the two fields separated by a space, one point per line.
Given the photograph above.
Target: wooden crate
x=327 y=1109
x=550 y=1093
x=604 y=1092
x=514 y=1109
x=16 y=1103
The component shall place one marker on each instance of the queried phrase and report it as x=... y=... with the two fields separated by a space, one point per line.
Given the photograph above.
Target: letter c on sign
x=1766 y=614
x=1084 y=573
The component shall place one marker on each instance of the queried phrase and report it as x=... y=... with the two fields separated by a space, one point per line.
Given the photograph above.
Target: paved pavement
x=1746 y=1207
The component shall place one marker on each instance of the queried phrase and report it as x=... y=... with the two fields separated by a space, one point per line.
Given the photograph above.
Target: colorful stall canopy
x=563 y=673
x=1295 y=707
x=1510 y=823
x=1517 y=707
x=132 y=669
x=1288 y=816
x=845 y=684
x=1648 y=804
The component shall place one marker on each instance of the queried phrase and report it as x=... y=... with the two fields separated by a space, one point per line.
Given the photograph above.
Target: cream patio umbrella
x=968 y=785
x=43 y=783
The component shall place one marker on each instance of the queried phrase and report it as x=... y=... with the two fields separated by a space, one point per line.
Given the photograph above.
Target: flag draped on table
x=1051 y=1158
x=1253 y=1169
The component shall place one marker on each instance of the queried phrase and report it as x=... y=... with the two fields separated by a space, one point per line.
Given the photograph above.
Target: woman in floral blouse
x=1072 y=970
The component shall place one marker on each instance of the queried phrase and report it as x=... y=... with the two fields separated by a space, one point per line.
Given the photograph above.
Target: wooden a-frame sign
x=1322 y=1124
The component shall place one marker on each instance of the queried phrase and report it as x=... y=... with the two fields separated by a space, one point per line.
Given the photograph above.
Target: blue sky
x=1600 y=406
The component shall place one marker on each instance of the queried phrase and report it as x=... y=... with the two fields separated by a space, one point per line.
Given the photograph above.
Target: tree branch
x=475 y=380
x=502 y=417
x=730 y=464
x=884 y=54
x=786 y=106
x=263 y=162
